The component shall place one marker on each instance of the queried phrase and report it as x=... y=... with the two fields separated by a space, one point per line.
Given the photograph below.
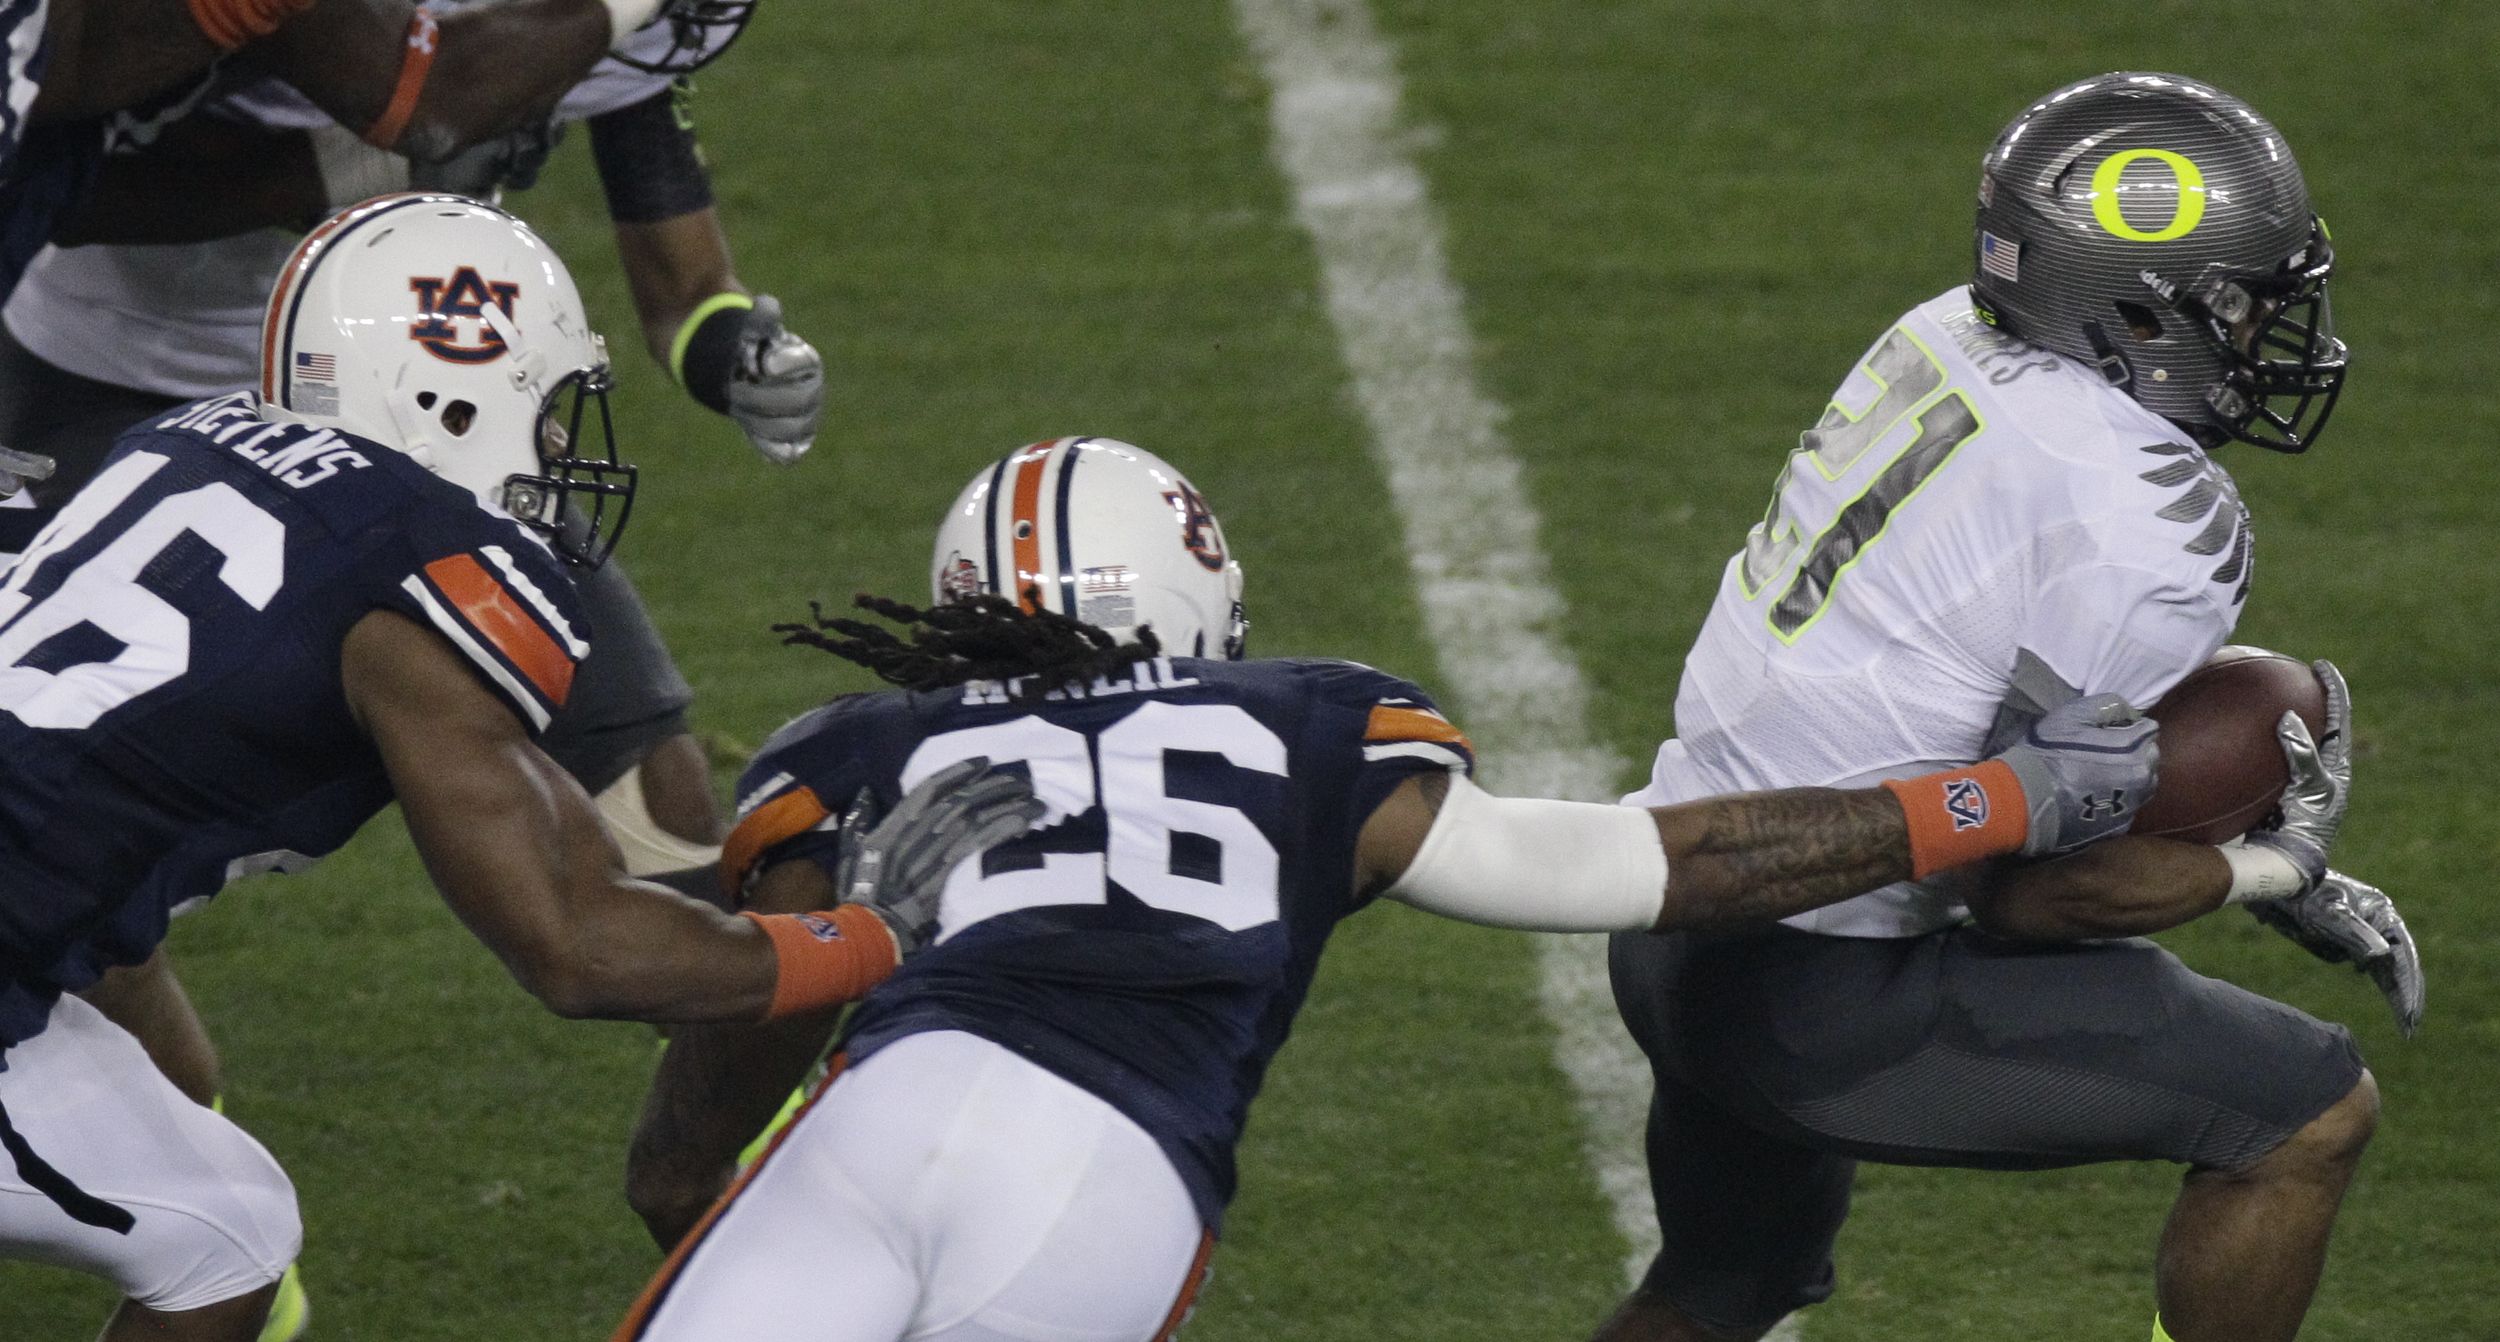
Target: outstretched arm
x=516 y=847
x=1449 y=848
x=517 y=850
x=490 y=65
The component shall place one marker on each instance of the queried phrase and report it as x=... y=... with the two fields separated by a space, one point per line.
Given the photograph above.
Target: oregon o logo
x=2191 y=207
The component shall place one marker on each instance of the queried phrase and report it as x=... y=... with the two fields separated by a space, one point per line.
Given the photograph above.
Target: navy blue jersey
x=1153 y=937
x=171 y=712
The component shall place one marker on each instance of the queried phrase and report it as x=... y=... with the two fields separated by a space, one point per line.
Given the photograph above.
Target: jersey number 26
x=1142 y=818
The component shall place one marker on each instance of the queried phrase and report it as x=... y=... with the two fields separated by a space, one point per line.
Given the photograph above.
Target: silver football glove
x=2086 y=766
x=2321 y=782
x=20 y=469
x=2347 y=922
x=898 y=865
x=777 y=390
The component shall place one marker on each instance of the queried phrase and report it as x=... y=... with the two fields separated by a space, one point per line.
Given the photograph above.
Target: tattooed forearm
x=1771 y=854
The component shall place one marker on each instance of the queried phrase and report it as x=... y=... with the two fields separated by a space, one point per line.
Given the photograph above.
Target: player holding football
x=1030 y=1131
x=2010 y=496
x=269 y=616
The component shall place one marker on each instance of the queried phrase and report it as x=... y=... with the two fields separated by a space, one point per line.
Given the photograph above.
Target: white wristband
x=1547 y=866
x=352 y=170
x=2259 y=873
x=624 y=16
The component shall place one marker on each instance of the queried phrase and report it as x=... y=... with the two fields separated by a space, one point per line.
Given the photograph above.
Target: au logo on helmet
x=2186 y=178
x=444 y=304
x=1198 y=534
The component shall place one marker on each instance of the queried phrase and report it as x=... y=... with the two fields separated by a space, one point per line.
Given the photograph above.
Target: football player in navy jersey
x=1029 y=1133
x=270 y=615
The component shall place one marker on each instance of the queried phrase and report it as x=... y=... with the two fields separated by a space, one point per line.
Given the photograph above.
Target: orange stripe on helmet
x=299 y=263
x=501 y=619
x=787 y=816
x=1024 y=526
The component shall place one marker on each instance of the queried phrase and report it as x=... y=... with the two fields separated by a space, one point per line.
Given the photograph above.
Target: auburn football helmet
x=1103 y=532
x=2158 y=229
x=447 y=329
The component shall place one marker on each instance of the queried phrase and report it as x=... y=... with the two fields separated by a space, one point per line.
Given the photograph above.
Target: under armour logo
x=2112 y=804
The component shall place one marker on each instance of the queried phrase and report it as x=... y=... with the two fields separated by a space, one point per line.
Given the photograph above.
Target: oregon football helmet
x=447 y=329
x=1101 y=531
x=2158 y=229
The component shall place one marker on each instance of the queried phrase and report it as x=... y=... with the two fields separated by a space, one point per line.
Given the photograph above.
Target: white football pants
x=216 y=1217
x=945 y=1190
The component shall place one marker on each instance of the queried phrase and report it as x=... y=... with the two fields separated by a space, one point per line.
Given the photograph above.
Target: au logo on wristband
x=1967 y=802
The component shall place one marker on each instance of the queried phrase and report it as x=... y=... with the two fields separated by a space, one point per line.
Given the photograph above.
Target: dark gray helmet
x=2157 y=228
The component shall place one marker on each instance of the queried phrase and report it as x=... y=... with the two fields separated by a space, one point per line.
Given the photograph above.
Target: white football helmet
x=445 y=328
x=1100 y=531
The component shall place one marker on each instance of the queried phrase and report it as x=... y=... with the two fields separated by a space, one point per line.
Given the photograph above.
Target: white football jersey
x=1966 y=497
x=184 y=320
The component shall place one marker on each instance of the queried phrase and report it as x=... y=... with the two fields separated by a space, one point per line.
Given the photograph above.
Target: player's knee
x=2334 y=1139
x=222 y=1248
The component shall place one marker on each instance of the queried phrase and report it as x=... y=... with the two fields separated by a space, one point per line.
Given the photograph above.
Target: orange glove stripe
x=1959 y=816
x=425 y=36
x=826 y=959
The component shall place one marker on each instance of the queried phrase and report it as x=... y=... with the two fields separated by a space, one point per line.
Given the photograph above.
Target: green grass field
x=1676 y=226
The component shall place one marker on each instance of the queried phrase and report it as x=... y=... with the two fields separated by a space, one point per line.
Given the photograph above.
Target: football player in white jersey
x=1028 y=1135
x=2010 y=499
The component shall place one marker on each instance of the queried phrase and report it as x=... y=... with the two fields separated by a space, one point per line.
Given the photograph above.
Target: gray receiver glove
x=2086 y=767
x=2348 y=922
x=20 y=469
x=777 y=387
x=2321 y=783
x=898 y=865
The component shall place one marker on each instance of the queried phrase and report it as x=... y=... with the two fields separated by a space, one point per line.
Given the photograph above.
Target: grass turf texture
x=1012 y=219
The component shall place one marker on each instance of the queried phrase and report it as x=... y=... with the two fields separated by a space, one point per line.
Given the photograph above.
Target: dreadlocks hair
x=986 y=637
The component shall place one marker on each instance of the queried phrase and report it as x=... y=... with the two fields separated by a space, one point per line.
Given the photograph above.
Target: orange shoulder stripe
x=787 y=816
x=1390 y=723
x=502 y=620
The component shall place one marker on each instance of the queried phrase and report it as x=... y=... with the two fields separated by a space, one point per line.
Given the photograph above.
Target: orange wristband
x=1962 y=815
x=231 y=23
x=424 y=38
x=826 y=959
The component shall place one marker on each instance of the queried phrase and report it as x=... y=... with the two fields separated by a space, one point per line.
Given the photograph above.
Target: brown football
x=2221 y=768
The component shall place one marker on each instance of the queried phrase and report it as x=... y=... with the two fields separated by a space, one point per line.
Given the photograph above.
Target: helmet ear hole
x=425 y=400
x=458 y=417
x=2139 y=319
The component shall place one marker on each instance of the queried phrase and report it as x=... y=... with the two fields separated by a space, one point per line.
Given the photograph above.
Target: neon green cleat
x=290 y=1313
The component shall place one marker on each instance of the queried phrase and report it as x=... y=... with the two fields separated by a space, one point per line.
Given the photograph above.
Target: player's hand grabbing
x=2321 y=784
x=2085 y=767
x=777 y=387
x=2347 y=922
x=897 y=866
x=20 y=469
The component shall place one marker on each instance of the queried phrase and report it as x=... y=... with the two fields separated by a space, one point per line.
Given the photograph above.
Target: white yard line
x=1471 y=530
